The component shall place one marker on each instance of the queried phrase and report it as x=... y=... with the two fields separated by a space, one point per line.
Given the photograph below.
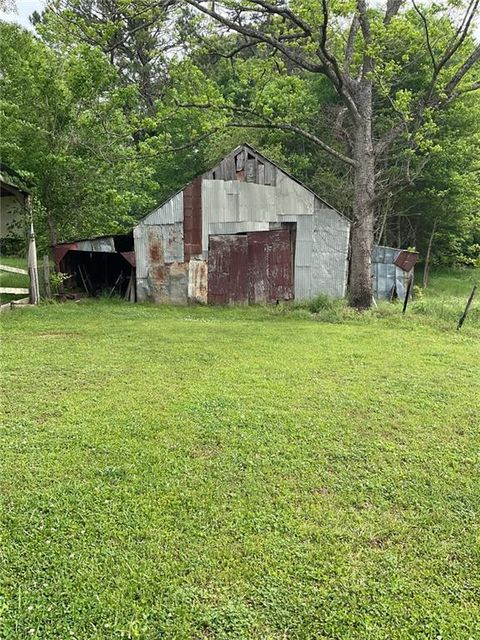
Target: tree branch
x=305 y=134
x=462 y=71
x=427 y=35
x=267 y=123
x=257 y=35
x=393 y=7
x=329 y=65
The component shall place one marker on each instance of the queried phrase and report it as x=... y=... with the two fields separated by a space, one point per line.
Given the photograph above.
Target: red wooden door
x=227 y=269
x=256 y=267
x=270 y=266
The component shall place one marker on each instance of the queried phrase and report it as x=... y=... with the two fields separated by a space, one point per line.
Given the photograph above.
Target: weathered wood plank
x=14 y=290
x=4 y=267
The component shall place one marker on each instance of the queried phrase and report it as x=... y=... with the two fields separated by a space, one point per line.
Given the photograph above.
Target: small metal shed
x=391 y=270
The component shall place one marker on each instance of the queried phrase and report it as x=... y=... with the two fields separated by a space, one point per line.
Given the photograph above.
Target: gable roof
x=246 y=145
x=233 y=152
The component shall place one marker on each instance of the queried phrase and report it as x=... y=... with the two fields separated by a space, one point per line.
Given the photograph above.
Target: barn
x=245 y=231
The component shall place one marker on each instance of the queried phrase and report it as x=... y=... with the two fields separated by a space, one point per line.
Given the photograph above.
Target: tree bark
x=52 y=230
x=362 y=229
x=426 y=268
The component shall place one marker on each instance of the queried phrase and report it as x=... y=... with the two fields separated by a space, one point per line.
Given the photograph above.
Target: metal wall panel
x=270 y=263
x=292 y=198
x=168 y=213
x=198 y=281
x=303 y=278
x=255 y=267
x=192 y=219
x=228 y=269
x=330 y=252
x=103 y=245
x=388 y=277
x=160 y=272
x=322 y=237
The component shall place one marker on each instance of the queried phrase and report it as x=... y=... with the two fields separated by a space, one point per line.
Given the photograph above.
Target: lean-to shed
x=244 y=231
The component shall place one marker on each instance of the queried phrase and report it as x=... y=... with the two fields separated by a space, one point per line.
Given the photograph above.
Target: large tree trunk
x=362 y=231
x=52 y=229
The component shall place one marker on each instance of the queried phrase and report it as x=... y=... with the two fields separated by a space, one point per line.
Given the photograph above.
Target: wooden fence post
x=32 y=258
x=46 y=276
x=407 y=295
x=464 y=314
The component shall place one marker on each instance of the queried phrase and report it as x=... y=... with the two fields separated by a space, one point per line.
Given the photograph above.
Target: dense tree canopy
x=109 y=107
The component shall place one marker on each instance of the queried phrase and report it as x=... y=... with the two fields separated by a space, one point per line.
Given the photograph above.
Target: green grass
x=8 y=279
x=244 y=473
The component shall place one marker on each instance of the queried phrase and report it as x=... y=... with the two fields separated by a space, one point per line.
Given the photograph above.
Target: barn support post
x=32 y=258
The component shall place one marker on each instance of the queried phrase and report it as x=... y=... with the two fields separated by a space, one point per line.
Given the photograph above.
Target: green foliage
x=65 y=127
x=101 y=135
x=57 y=279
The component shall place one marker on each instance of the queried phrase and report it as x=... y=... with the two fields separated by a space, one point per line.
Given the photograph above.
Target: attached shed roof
x=9 y=189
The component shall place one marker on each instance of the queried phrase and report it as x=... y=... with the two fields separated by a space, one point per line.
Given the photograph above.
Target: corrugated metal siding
x=292 y=198
x=330 y=252
x=254 y=267
x=192 y=219
x=159 y=255
x=169 y=213
x=321 y=249
x=386 y=275
x=105 y=245
x=198 y=280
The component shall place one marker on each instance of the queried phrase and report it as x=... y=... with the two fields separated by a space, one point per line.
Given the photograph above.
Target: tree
x=136 y=40
x=367 y=65
x=64 y=126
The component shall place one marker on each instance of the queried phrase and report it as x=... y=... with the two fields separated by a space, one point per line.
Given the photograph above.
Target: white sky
x=26 y=7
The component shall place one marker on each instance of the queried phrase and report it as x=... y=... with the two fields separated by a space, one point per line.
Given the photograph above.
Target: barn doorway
x=254 y=267
x=99 y=266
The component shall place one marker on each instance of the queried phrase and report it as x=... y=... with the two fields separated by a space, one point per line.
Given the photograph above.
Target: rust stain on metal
x=129 y=257
x=60 y=251
x=155 y=250
x=198 y=281
x=254 y=267
x=192 y=219
x=406 y=260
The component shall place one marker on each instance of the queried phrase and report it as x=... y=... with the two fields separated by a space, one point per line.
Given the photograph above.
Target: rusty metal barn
x=243 y=232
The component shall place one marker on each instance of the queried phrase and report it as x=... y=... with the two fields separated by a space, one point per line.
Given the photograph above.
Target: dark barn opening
x=97 y=273
x=100 y=266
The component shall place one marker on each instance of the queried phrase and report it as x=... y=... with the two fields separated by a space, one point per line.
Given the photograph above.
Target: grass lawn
x=8 y=279
x=211 y=473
